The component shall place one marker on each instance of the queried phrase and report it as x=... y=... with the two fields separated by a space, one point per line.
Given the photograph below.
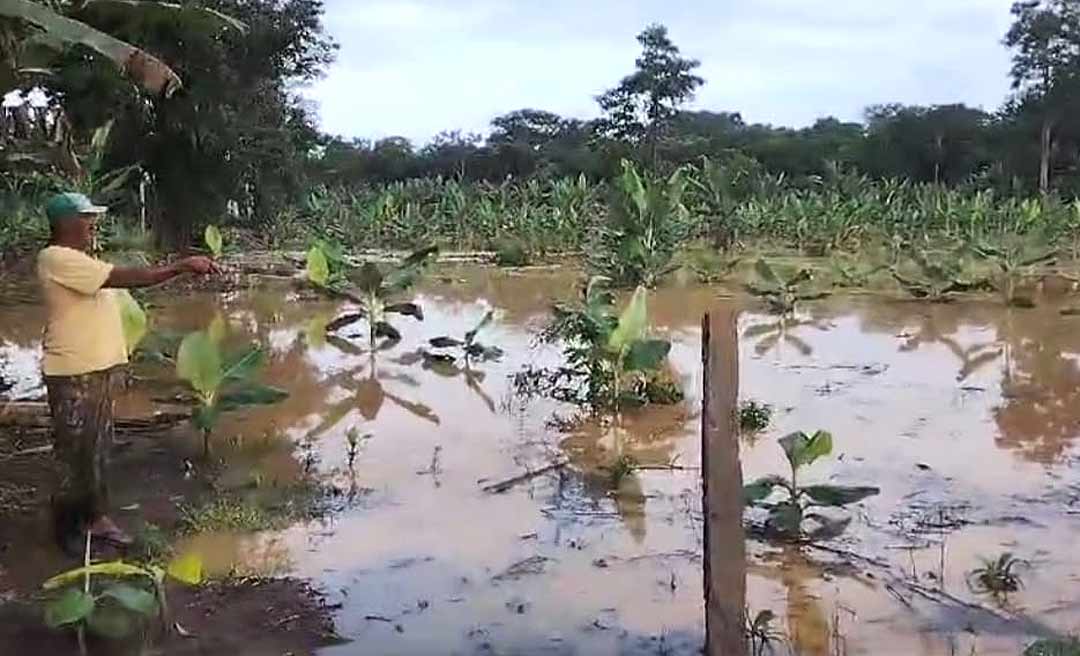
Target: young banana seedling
x=787 y=515
x=373 y=289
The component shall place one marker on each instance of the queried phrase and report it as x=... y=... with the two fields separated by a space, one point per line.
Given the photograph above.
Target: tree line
x=1030 y=143
x=192 y=111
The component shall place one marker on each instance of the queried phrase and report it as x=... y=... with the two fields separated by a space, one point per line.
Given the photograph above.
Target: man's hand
x=199 y=265
x=129 y=277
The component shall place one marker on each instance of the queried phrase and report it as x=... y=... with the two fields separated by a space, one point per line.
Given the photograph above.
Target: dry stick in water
x=503 y=486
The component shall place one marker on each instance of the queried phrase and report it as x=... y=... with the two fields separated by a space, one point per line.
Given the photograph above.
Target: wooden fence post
x=722 y=496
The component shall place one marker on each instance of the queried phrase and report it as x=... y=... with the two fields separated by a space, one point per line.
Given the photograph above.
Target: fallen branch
x=935 y=595
x=665 y=468
x=503 y=486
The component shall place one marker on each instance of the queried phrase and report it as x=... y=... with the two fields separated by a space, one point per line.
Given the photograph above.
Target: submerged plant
x=352 y=444
x=471 y=350
x=220 y=383
x=623 y=467
x=754 y=417
x=786 y=516
x=114 y=599
x=612 y=354
x=939 y=276
x=511 y=253
x=372 y=287
x=710 y=265
x=645 y=223
x=1054 y=647
x=1016 y=258
x=851 y=272
x=997 y=576
x=783 y=290
x=761 y=632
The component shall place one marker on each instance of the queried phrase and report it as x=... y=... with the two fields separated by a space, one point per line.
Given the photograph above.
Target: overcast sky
x=417 y=67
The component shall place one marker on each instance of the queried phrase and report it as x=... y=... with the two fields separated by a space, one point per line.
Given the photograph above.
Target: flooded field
x=965 y=415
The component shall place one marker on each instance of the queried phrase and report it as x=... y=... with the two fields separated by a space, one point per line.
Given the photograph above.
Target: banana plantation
x=656 y=382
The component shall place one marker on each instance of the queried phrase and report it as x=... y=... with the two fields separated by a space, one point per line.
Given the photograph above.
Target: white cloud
x=417 y=67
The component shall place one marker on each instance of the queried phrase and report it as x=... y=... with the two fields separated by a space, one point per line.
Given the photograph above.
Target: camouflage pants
x=82 y=421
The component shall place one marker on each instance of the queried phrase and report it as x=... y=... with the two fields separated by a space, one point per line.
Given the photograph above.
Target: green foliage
x=851 y=271
x=1017 y=258
x=787 y=514
x=352 y=444
x=782 y=290
x=611 y=353
x=132 y=318
x=58 y=31
x=940 y=275
x=1054 y=647
x=646 y=222
x=754 y=417
x=220 y=383
x=511 y=253
x=623 y=467
x=112 y=599
x=471 y=349
x=225 y=514
x=709 y=265
x=373 y=288
x=997 y=576
x=71 y=607
x=213 y=240
x=647 y=100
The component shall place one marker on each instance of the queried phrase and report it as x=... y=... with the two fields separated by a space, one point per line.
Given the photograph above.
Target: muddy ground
x=965 y=415
x=153 y=486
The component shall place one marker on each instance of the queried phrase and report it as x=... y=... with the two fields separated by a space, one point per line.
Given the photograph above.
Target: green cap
x=70 y=205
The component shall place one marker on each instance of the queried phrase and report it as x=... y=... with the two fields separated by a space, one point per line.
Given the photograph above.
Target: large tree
x=645 y=103
x=940 y=144
x=1045 y=38
x=235 y=139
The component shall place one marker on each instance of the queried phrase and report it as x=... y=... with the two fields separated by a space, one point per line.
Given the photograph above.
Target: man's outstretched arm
x=129 y=277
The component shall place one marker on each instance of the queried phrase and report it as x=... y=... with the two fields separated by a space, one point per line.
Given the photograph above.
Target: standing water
x=965 y=416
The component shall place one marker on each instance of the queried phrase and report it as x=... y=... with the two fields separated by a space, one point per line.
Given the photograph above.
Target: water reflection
x=1028 y=405
x=365 y=391
x=772 y=335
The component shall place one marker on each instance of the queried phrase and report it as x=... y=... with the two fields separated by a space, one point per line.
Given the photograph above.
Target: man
x=83 y=349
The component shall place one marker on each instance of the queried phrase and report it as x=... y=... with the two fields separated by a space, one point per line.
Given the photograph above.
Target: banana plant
x=375 y=288
x=471 y=350
x=113 y=599
x=133 y=319
x=646 y=221
x=782 y=292
x=213 y=240
x=787 y=515
x=939 y=277
x=326 y=266
x=612 y=353
x=221 y=384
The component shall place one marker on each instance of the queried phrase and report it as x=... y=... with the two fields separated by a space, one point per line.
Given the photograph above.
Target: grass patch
x=261 y=509
x=226 y=514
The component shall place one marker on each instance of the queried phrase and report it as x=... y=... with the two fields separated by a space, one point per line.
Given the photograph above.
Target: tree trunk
x=1046 y=142
x=722 y=495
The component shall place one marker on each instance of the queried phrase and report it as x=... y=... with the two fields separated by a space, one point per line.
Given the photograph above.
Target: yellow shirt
x=83 y=332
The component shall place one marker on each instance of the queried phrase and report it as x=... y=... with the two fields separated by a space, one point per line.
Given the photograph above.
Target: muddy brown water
x=966 y=415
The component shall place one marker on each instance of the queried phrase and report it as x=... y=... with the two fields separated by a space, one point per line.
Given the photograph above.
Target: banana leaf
x=58 y=31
